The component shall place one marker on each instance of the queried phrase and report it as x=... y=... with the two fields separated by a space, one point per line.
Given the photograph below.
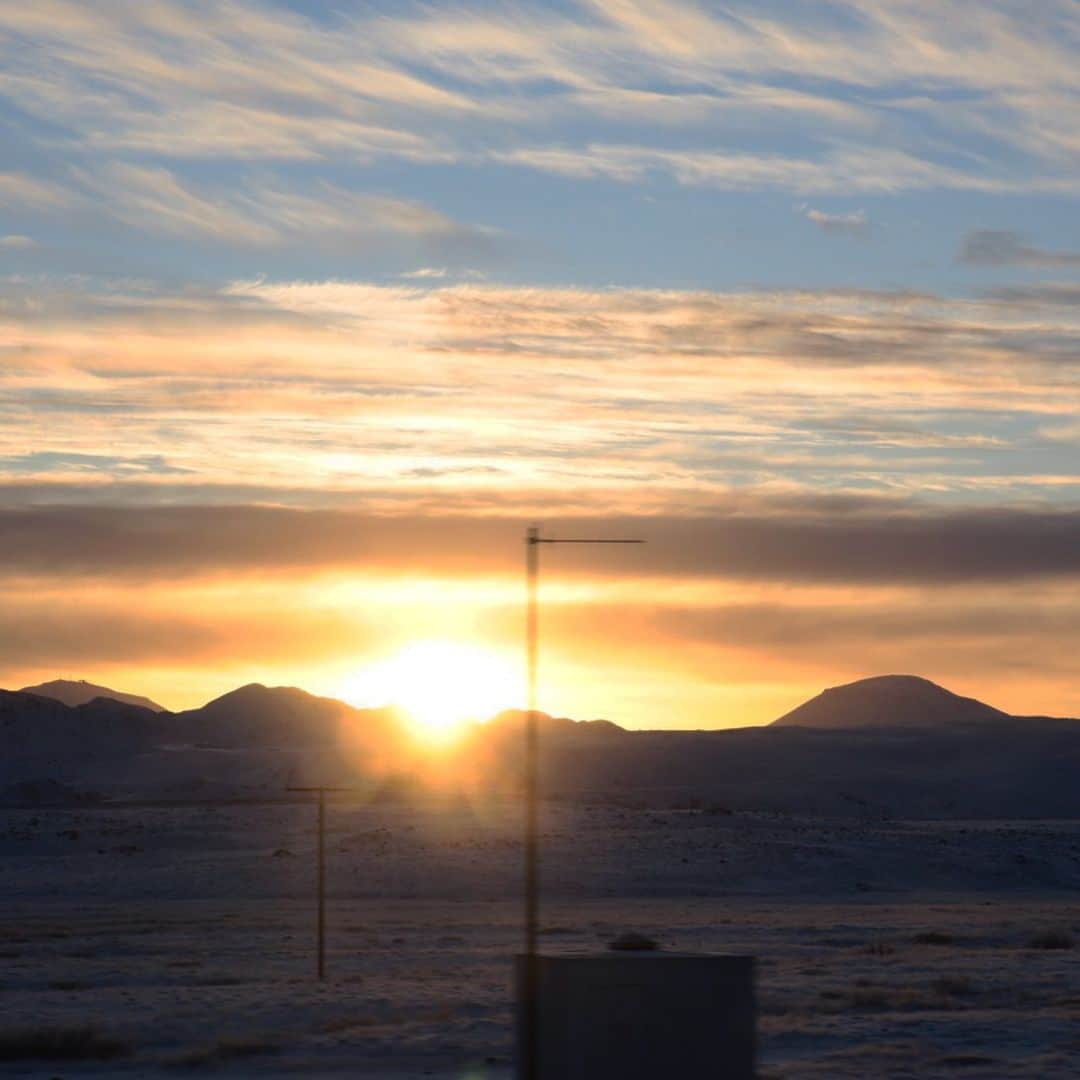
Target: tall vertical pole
x=532 y=739
x=530 y=1007
x=322 y=883
x=532 y=800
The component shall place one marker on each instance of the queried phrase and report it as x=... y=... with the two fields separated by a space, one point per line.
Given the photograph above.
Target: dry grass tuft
x=60 y=1044
x=953 y=986
x=933 y=937
x=869 y=996
x=1052 y=939
x=879 y=948
x=227 y=1048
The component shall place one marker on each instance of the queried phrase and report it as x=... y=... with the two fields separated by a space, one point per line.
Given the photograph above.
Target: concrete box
x=640 y=1016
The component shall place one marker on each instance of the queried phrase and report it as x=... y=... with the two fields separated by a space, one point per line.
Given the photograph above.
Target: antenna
x=533 y=540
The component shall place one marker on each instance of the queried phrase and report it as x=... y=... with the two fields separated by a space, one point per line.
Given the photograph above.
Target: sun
x=442 y=686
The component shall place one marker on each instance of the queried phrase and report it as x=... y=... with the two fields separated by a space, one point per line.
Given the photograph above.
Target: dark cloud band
x=806 y=540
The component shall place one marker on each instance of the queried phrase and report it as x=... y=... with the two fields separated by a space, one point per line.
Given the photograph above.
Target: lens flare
x=443 y=686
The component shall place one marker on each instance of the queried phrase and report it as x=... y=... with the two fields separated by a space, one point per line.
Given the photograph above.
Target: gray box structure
x=640 y=1016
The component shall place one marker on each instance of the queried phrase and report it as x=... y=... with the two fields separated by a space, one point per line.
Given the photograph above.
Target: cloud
x=16 y=240
x=425 y=272
x=43 y=462
x=854 y=223
x=1000 y=247
x=511 y=400
x=262 y=215
x=841 y=169
x=1051 y=294
x=154 y=198
x=106 y=627
x=257 y=81
x=871 y=543
x=966 y=633
x=823 y=628
x=247 y=79
x=34 y=193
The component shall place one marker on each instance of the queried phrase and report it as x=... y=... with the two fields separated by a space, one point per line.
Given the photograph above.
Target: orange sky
x=643 y=636
x=308 y=311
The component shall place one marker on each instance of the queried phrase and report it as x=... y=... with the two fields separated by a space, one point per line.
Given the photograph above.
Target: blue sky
x=640 y=144
x=620 y=257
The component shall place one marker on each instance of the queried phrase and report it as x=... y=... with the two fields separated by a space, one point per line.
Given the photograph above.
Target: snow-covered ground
x=181 y=939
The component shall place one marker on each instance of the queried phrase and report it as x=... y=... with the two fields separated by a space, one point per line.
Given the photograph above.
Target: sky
x=307 y=311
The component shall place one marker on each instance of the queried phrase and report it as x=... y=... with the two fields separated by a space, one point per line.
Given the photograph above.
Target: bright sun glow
x=442 y=685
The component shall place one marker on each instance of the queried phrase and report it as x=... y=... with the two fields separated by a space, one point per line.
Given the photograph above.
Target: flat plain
x=157 y=940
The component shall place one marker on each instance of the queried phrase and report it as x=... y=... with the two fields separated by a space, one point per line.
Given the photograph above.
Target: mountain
x=894 y=746
x=80 y=692
x=889 y=701
x=253 y=741
x=279 y=716
x=512 y=722
x=44 y=730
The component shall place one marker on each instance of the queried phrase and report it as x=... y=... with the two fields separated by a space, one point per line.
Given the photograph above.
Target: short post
x=320 y=875
x=322 y=884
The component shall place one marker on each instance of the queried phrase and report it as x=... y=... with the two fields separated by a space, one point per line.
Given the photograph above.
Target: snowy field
x=170 y=941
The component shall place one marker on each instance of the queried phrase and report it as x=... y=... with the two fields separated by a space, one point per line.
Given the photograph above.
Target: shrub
x=1052 y=939
x=59 y=1044
x=879 y=948
x=933 y=937
x=953 y=986
x=226 y=1049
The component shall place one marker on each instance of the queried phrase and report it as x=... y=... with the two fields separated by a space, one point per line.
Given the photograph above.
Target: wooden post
x=322 y=883
x=320 y=875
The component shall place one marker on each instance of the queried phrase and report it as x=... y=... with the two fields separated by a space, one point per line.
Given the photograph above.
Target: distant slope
x=891 y=747
x=266 y=717
x=79 y=692
x=888 y=701
x=255 y=739
x=37 y=727
x=512 y=721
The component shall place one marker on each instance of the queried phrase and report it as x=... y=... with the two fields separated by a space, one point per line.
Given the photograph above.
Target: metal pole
x=533 y=540
x=322 y=883
x=532 y=741
x=532 y=799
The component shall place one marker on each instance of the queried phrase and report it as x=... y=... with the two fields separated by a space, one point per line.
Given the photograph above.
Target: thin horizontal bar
x=322 y=789
x=567 y=540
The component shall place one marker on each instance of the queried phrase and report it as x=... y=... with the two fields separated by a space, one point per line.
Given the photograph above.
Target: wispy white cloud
x=17 y=240
x=853 y=223
x=509 y=399
x=31 y=192
x=235 y=79
x=153 y=197
x=261 y=214
x=251 y=80
x=842 y=169
x=426 y=272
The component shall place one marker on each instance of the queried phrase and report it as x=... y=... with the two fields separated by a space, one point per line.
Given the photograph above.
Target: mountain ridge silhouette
x=255 y=741
x=73 y=692
x=888 y=701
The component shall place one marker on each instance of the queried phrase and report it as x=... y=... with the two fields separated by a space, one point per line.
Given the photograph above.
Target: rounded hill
x=897 y=701
x=80 y=692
